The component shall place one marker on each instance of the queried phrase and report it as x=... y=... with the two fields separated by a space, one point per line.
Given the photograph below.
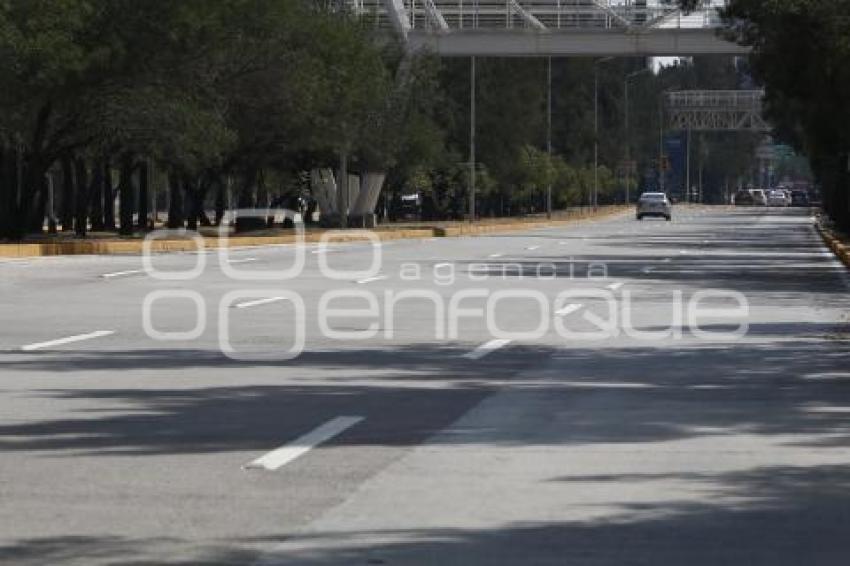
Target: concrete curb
x=834 y=243
x=134 y=246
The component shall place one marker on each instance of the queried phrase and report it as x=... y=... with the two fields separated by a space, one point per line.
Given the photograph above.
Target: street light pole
x=688 y=167
x=472 y=140
x=660 y=145
x=596 y=129
x=628 y=145
x=549 y=133
x=595 y=133
x=626 y=120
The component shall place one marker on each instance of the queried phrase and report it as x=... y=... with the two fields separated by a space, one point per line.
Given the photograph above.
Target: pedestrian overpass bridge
x=550 y=28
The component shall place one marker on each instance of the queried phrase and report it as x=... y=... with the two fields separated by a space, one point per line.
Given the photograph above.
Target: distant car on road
x=759 y=197
x=654 y=204
x=799 y=198
x=744 y=198
x=777 y=198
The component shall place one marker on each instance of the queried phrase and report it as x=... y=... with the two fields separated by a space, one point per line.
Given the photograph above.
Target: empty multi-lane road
x=606 y=392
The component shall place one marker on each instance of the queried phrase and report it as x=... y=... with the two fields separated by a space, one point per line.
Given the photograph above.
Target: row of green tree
x=212 y=92
x=801 y=53
x=512 y=130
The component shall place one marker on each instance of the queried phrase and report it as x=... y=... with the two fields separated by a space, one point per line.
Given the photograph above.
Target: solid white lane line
x=571 y=308
x=258 y=302
x=303 y=444
x=242 y=260
x=486 y=348
x=324 y=251
x=66 y=340
x=120 y=273
x=615 y=286
x=371 y=279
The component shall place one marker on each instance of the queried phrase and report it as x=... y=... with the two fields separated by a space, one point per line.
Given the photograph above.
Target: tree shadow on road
x=766 y=516
x=194 y=401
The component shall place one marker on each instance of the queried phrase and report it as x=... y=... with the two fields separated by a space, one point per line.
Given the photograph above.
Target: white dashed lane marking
x=122 y=273
x=66 y=340
x=371 y=279
x=569 y=309
x=303 y=444
x=486 y=348
x=259 y=302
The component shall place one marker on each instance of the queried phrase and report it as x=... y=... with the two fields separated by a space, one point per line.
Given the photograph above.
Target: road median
x=134 y=245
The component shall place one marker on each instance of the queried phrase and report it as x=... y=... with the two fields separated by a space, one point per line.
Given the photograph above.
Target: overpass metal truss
x=528 y=28
x=715 y=110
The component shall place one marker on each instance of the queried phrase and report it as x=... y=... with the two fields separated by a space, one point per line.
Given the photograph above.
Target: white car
x=759 y=198
x=654 y=204
x=777 y=198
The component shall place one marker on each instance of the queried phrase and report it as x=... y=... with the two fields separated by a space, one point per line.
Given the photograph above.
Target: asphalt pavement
x=600 y=393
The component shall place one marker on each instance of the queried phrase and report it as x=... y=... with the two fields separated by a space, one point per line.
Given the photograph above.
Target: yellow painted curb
x=841 y=250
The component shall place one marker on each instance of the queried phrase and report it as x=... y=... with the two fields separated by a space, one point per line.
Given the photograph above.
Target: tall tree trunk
x=190 y=187
x=247 y=194
x=39 y=209
x=248 y=199
x=97 y=196
x=16 y=195
x=219 y=201
x=5 y=213
x=143 y=195
x=204 y=185
x=14 y=226
x=126 y=195
x=82 y=198
x=8 y=191
x=108 y=197
x=175 y=201
x=66 y=215
x=342 y=186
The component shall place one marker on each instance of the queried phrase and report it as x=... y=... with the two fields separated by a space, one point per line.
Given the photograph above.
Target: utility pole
x=688 y=166
x=472 y=139
x=628 y=145
x=549 y=133
x=627 y=141
x=595 y=133
x=699 y=181
x=660 y=146
x=596 y=129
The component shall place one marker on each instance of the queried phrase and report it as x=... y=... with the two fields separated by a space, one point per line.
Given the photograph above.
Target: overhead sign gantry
x=550 y=28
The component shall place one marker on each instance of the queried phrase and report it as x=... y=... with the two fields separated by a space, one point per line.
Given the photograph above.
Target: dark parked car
x=744 y=198
x=799 y=198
